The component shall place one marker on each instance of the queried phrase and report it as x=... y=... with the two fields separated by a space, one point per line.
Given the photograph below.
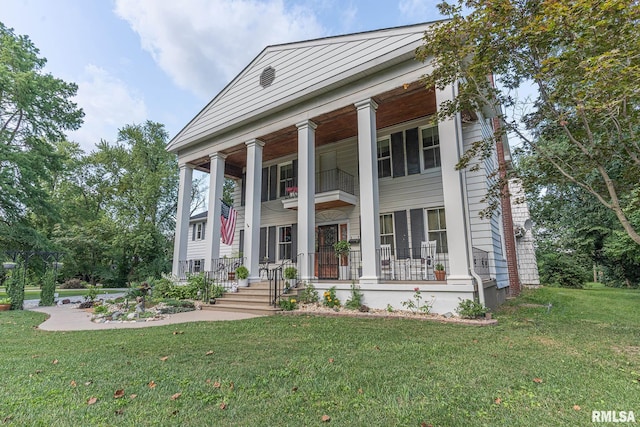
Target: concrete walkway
x=70 y=318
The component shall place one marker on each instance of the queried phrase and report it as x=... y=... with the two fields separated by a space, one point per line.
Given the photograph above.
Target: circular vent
x=267 y=77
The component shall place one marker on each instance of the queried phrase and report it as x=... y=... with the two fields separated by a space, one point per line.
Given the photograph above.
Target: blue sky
x=163 y=60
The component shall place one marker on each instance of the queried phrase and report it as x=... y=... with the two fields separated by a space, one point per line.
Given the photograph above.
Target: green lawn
x=533 y=369
x=34 y=292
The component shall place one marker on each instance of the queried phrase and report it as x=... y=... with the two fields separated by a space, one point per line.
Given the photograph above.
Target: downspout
x=465 y=207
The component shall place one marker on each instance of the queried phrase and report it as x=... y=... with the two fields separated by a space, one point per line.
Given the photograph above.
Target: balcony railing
x=330 y=180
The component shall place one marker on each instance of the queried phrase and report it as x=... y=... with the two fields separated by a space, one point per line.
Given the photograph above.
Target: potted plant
x=342 y=249
x=290 y=274
x=242 y=273
x=439 y=272
x=5 y=304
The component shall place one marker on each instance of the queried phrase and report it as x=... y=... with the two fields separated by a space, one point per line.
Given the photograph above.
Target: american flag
x=228 y=220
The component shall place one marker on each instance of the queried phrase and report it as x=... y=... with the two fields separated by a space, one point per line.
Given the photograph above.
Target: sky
x=164 y=60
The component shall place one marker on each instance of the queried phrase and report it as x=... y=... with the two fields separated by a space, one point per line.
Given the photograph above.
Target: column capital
x=369 y=102
x=185 y=165
x=306 y=123
x=254 y=142
x=217 y=155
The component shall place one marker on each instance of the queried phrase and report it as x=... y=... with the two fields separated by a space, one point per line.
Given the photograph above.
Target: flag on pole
x=228 y=220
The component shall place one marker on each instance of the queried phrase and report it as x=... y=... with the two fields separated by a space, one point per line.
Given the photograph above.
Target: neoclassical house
x=334 y=139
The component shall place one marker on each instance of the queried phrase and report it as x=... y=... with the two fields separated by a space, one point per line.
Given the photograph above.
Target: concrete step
x=259 y=296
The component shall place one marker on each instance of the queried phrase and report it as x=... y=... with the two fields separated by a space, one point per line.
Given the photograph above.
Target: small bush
x=216 y=291
x=101 y=309
x=74 y=284
x=355 y=302
x=330 y=299
x=161 y=287
x=470 y=309
x=288 y=304
x=309 y=294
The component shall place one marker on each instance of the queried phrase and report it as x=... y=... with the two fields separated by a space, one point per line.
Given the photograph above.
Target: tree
x=35 y=111
x=583 y=57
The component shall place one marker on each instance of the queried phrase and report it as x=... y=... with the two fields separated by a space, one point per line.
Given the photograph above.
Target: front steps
x=253 y=300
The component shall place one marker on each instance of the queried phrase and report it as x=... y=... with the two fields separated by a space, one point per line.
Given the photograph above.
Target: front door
x=327 y=259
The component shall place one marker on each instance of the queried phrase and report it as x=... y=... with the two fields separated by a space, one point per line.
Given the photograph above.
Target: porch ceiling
x=394 y=107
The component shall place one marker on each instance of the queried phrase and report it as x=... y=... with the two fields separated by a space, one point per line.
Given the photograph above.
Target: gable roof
x=302 y=70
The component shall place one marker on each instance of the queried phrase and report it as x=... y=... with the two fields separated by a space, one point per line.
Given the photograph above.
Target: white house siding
x=197 y=248
x=525 y=245
x=485 y=234
x=301 y=68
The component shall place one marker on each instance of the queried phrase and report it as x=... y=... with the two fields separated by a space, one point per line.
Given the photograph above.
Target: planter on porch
x=345 y=272
x=439 y=272
x=242 y=273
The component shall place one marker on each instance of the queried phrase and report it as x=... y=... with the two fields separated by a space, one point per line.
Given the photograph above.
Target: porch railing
x=410 y=264
x=223 y=271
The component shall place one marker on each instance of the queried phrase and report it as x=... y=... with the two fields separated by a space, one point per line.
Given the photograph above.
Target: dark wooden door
x=327 y=259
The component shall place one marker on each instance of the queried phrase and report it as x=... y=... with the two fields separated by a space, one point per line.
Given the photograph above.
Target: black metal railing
x=329 y=180
x=411 y=264
x=334 y=179
x=223 y=271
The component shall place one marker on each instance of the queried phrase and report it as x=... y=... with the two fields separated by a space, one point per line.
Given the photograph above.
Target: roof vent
x=267 y=77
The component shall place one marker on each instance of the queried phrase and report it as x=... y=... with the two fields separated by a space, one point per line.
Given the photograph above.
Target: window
x=384 y=158
x=437 y=228
x=430 y=147
x=386 y=230
x=286 y=179
x=197 y=266
x=284 y=242
x=199 y=233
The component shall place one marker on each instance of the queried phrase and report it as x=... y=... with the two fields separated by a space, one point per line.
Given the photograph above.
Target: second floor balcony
x=334 y=188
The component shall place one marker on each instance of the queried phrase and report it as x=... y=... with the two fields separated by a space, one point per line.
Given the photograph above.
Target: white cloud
x=419 y=10
x=108 y=105
x=203 y=44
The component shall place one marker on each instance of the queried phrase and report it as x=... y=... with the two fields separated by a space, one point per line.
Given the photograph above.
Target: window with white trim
x=199 y=233
x=430 y=147
x=286 y=181
x=386 y=230
x=197 y=266
x=437 y=229
x=284 y=242
x=384 y=157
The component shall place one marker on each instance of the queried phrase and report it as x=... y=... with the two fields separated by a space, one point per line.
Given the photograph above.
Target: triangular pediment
x=285 y=74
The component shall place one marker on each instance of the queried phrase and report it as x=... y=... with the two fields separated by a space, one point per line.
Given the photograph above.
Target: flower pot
x=243 y=283
x=231 y=276
x=5 y=307
x=440 y=275
x=344 y=272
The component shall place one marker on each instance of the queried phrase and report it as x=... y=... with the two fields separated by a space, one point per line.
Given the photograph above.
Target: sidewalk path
x=70 y=318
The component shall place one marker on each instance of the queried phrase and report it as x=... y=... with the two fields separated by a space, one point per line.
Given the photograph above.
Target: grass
x=531 y=369
x=34 y=292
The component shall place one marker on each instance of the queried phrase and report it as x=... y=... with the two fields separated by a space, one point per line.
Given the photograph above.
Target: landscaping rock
x=131 y=316
x=66 y=301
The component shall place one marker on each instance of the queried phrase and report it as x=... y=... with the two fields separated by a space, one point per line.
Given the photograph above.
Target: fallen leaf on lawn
x=223 y=406
x=475 y=341
x=326 y=418
x=88 y=383
x=178 y=332
x=377 y=347
x=294 y=389
x=118 y=394
x=72 y=383
x=331 y=360
x=209 y=353
x=38 y=371
x=537 y=380
x=119 y=412
x=133 y=396
x=35 y=356
x=92 y=400
x=175 y=412
x=176 y=396
x=152 y=384
x=164 y=359
x=576 y=408
x=216 y=384
x=7 y=419
x=498 y=401
x=208 y=381
x=55 y=362
x=231 y=385
x=360 y=391
x=423 y=424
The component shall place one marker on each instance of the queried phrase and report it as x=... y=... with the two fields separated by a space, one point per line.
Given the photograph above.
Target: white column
x=306 y=196
x=252 y=208
x=450 y=152
x=216 y=182
x=182 y=217
x=369 y=197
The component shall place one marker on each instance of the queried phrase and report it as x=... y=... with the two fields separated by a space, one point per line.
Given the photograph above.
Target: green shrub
x=195 y=283
x=161 y=287
x=101 y=309
x=330 y=299
x=309 y=294
x=561 y=269
x=471 y=309
x=290 y=273
x=47 y=294
x=216 y=291
x=242 y=272
x=355 y=302
x=288 y=304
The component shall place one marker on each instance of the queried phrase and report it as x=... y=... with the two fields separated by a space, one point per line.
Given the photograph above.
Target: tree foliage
x=35 y=111
x=582 y=57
